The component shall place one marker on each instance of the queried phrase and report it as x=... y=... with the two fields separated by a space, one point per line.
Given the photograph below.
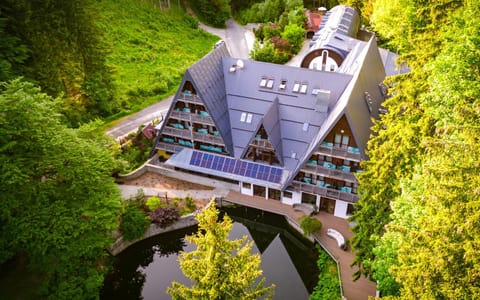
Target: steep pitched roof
x=207 y=78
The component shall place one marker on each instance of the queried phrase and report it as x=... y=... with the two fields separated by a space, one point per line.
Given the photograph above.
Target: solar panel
x=234 y=166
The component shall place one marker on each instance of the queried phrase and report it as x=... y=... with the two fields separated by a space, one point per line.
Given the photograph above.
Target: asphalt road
x=237 y=39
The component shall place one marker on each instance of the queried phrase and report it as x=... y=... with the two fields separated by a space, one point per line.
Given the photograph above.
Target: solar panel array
x=237 y=167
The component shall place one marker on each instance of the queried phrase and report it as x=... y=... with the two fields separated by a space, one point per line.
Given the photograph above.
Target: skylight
x=249 y=118
x=305 y=127
x=243 y=117
x=263 y=83
x=282 y=85
x=296 y=87
x=303 y=90
x=270 y=83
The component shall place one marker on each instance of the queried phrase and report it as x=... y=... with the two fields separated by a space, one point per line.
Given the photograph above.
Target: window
x=263 y=82
x=305 y=127
x=243 y=117
x=296 y=87
x=270 y=83
x=303 y=90
x=283 y=84
x=246 y=185
x=346 y=162
x=249 y=118
x=287 y=194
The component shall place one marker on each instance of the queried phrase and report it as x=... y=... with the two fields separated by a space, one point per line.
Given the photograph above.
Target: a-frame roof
x=206 y=76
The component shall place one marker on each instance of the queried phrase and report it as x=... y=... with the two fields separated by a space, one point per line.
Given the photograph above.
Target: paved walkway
x=352 y=290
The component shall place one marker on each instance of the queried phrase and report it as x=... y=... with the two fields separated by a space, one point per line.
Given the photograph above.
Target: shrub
x=310 y=225
x=164 y=216
x=190 y=204
x=153 y=203
x=134 y=223
x=328 y=286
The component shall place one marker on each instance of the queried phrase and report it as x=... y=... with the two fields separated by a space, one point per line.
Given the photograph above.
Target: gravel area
x=158 y=181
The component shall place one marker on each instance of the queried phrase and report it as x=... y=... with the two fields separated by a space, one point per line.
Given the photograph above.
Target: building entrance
x=327 y=205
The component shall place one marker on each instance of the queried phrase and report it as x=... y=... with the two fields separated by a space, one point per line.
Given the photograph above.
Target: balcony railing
x=170 y=147
x=207 y=138
x=324 y=192
x=183 y=133
x=192 y=98
x=192 y=117
x=350 y=153
x=262 y=143
x=331 y=173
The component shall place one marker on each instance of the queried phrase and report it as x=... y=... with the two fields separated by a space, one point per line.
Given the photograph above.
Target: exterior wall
x=296 y=198
x=341 y=209
x=246 y=191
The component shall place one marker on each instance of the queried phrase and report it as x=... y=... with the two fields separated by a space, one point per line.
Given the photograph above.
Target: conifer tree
x=220 y=268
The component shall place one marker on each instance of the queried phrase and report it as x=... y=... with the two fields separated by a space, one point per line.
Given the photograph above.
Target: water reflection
x=145 y=270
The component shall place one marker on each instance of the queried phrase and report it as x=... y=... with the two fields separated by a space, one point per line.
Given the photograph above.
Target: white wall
x=341 y=209
x=296 y=198
x=246 y=191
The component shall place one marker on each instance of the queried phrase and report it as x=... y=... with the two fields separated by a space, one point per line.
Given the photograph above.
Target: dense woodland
x=419 y=209
x=66 y=63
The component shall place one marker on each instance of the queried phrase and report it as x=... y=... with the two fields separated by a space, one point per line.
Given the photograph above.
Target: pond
x=146 y=269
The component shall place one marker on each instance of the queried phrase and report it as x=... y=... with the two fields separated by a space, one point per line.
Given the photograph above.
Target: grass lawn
x=150 y=49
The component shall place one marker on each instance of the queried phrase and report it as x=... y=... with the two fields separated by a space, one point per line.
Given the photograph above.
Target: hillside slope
x=150 y=49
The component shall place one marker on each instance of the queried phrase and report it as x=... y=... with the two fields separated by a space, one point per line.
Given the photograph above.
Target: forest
x=66 y=67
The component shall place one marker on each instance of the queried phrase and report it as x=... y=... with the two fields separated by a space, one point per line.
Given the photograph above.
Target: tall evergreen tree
x=220 y=268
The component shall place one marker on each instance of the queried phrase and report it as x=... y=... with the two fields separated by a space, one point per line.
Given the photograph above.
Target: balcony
x=167 y=146
x=350 y=153
x=324 y=192
x=262 y=143
x=178 y=132
x=207 y=138
x=329 y=172
x=190 y=98
x=192 y=117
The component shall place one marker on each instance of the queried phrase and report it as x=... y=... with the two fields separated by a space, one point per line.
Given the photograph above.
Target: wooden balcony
x=324 y=192
x=192 y=117
x=331 y=173
x=190 y=99
x=181 y=133
x=338 y=152
x=207 y=138
x=170 y=147
x=262 y=143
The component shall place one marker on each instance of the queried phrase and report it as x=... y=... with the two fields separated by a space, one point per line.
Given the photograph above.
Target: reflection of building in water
x=296 y=135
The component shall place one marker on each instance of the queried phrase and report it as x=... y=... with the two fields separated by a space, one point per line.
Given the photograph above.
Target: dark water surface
x=146 y=269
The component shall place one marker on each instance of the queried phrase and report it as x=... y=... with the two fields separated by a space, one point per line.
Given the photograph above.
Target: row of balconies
x=203 y=136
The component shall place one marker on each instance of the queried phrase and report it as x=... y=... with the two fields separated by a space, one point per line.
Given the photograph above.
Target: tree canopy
x=419 y=206
x=220 y=268
x=59 y=202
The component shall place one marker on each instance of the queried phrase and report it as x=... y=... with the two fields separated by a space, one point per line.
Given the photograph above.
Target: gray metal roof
x=299 y=120
x=207 y=78
x=338 y=31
